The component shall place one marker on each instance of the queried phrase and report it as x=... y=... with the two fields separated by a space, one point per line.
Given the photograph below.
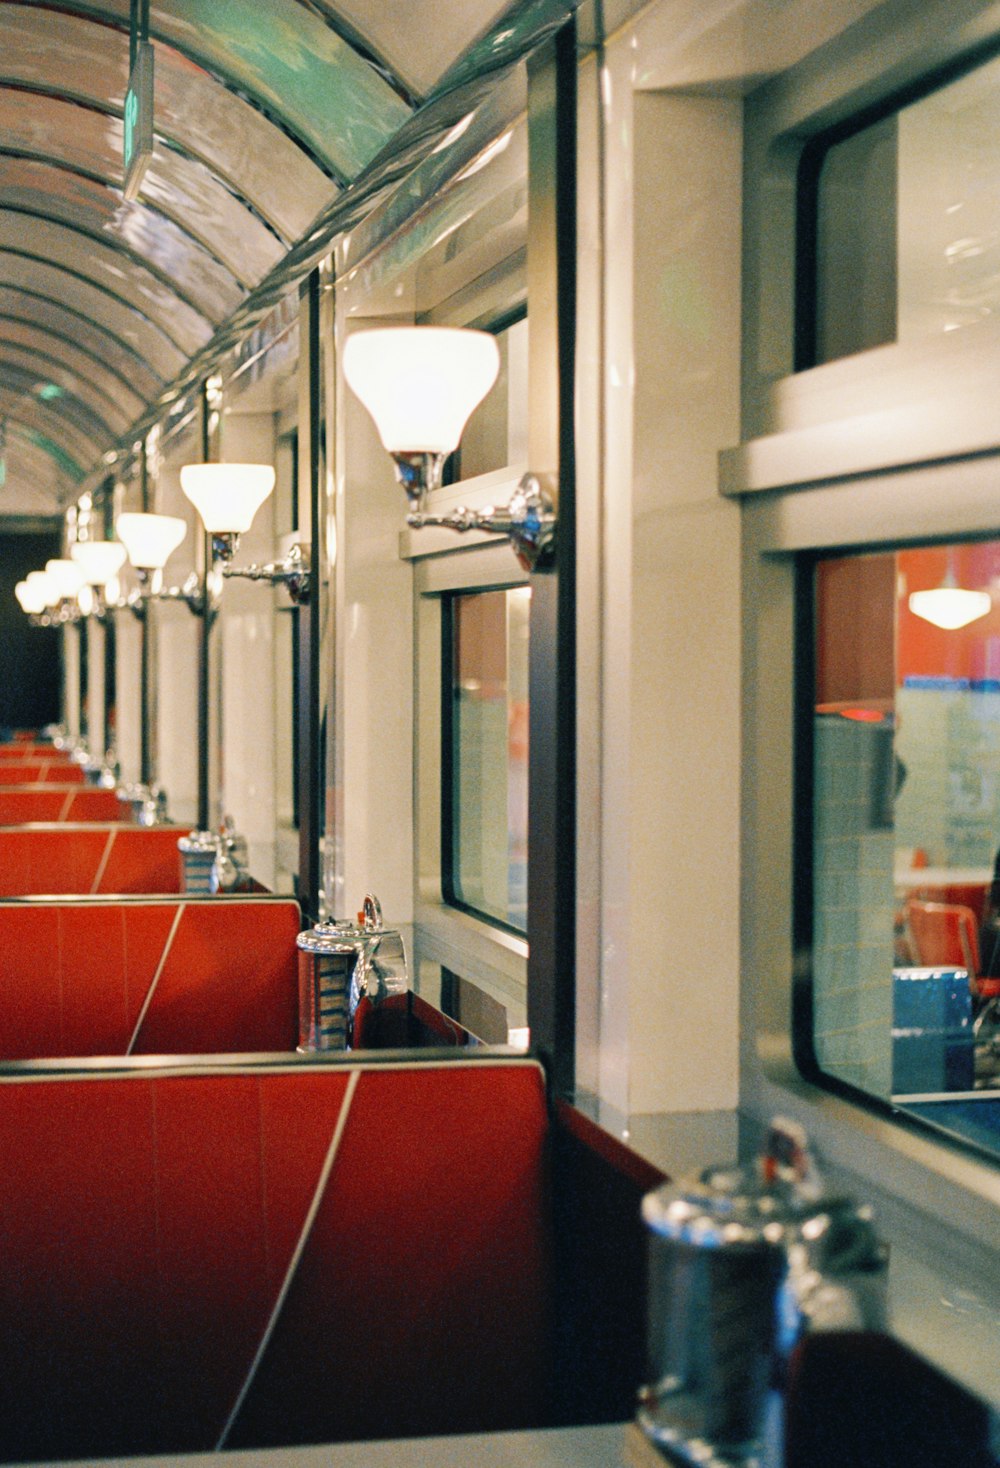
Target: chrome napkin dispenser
x=341 y=963
x=745 y=1261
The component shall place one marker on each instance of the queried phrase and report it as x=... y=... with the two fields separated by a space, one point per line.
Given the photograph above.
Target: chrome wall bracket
x=294 y=571
x=529 y=521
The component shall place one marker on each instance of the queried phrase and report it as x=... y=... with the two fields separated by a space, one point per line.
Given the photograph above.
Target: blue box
x=932 y=1039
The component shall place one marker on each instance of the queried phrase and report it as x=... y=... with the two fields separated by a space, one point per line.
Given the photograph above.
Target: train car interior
x=500 y=733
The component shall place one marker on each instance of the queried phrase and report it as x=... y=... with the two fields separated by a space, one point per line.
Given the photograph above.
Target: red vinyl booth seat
x=88 y=857
x=250 y=1256
x=202 y=977
x=21 y=804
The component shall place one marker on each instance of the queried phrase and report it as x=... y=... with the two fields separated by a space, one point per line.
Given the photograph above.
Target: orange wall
x=923 y=650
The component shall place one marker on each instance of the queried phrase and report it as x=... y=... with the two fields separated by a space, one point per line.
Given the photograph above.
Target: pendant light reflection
x=950 y=606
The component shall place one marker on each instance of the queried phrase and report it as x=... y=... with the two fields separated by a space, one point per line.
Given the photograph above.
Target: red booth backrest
x=313 y=1254
x=20 y=804
x=89 y=857
x=29 y=772
x=216 y=976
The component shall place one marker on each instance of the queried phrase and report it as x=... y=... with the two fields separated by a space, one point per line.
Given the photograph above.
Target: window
x=902 y=214
x=903 y=757
x=485 y=806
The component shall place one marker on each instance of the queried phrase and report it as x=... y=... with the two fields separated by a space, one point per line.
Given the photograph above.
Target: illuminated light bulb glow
x=150 y=539
x=421 y=383
x=68 y=575
x=227 y=496
x=950 y=607
x=100 y=560
x=31 y=598
x=45 y=587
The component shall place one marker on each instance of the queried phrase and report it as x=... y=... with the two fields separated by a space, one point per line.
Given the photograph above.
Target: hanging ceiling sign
x=138 y=149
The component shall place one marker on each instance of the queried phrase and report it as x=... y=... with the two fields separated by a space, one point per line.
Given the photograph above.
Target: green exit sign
x=138 y=148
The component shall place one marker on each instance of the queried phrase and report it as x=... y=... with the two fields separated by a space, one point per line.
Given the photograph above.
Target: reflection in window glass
x=497 y=433
x=906 y=233
x=486 y=819
x=906 y=830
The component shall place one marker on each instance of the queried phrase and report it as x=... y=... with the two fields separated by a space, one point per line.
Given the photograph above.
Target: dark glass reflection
x=906 y=829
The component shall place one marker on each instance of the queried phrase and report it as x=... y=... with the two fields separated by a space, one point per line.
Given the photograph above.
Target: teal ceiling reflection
x=56 y=428
x=21 y=386
x=64 y=462
x=289 y=61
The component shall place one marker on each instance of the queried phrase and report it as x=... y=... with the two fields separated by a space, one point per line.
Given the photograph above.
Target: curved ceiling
x=265 y=114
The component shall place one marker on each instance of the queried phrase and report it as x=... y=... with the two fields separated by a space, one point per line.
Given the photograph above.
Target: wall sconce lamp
x=100 y=561
x=149 y=541
x=50 y=597
x=227 y=497
x=33 y=596
x=420 y=384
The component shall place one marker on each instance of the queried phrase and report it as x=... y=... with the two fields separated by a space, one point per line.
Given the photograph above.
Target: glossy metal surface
x=341 y=963
x=528 y=520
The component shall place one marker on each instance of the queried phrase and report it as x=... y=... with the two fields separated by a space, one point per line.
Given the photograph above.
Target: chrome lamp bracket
x=191 y=593
x=528 y=520
x=294 y=571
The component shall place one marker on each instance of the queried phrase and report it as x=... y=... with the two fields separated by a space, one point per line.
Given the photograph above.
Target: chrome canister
x=340 y=963
x=198 y=851
x=743 y=1262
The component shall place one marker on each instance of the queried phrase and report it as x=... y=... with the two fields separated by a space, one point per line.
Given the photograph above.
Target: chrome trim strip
x=156 y=976
x=293 y=1263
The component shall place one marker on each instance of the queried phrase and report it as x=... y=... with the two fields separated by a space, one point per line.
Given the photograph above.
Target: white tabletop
x=942 y=876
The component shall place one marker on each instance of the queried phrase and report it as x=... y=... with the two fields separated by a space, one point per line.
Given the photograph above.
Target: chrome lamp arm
x=294 y=571
x=528 y=520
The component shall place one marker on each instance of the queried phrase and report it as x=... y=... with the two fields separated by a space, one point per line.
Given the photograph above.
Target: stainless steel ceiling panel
x=90 y=143
x=111 y=269
x=60 y=351
x=284 y=56
x=109 y=311
x=19 y=385
x=57 y=194
x=421 y=39
x=73 y=57
x=65 y=325
x=54 y=381
x=73 y=446
x=37 y=482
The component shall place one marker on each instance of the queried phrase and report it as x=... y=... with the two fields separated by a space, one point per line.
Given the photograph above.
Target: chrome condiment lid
x=341 y=935
x=776 y=1201
x=199 y=841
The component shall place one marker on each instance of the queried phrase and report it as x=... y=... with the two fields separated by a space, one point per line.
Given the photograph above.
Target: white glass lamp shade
x=31 y=597
x=227 y=496
x=68 y=575
x=43 y=589
x=950 y=607
x=421 y=383
x=100 y=560
x=150 y=539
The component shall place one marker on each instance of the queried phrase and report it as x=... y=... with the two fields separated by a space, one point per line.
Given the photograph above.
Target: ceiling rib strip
x=51 y=372
x=138 y=261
